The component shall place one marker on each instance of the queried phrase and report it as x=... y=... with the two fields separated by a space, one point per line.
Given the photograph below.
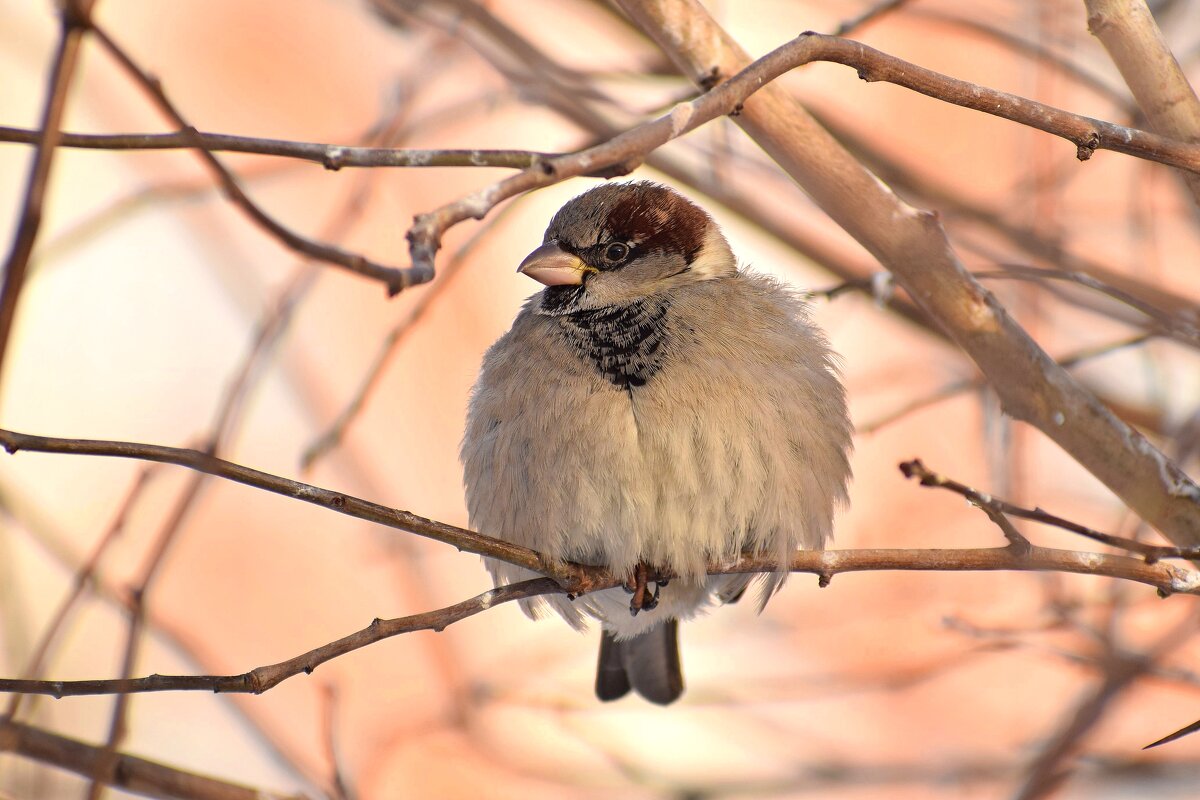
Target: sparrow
x=652 y=410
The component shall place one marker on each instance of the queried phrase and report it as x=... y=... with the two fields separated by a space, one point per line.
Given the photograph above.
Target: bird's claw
x=643 y=599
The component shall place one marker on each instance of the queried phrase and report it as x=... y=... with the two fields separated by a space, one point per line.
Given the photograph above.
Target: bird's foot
x=638 y=585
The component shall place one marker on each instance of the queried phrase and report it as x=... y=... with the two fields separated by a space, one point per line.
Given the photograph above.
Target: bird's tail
x=647 y=663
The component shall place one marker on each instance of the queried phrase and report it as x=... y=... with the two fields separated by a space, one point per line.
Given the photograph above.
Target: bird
x=653 y=409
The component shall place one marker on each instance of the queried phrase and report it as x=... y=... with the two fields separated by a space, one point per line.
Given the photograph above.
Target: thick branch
x=913 y=245
x=625 y=151
x=1131 y=36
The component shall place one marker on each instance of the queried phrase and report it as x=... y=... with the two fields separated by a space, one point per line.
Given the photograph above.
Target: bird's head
x=620 y=242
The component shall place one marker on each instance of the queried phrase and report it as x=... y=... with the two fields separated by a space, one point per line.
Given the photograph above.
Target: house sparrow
x=651 y=410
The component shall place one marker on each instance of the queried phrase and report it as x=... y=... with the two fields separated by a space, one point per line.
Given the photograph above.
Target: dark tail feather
x=648 y=664
x=611 y=681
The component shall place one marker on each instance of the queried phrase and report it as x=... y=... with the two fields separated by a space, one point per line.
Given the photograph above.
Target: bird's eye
x=616 y=252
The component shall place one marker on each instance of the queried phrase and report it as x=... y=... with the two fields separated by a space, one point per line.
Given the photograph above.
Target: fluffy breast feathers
x=735 y=443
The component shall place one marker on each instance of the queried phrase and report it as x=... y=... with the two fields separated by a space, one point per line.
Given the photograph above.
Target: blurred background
x=148 y=292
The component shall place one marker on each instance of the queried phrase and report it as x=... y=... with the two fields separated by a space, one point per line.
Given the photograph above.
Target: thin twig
x=1035 y=50
x=992 y=505
x=270 y=329
x=625 y=151
x=83 y=576
x=1179 y=734
x=873 y=12
x=337 y=784
x=330 y=156
x=924 y=186
x=575 y=575
x=824 y=564
x=73 y=24
x=1170 y=324
x=137 y=617
x=394 y=278
x=333 y=435
x=974 y=384
x=261 y=679
x=1046 y=774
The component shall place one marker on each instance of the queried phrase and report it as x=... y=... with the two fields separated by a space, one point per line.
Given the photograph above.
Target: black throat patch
x=623 y=342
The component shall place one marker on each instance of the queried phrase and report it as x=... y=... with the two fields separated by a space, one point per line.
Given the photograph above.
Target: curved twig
x=625 y=151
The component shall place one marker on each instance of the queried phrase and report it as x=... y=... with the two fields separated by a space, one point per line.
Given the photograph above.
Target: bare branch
x=72 y=27
x=869 y=15
x=330 y=156
x=259 y=680
x=994 y=505
x=1130 y=35
x=1172 y=325
x=625 y=151
x=581 y=579
x=333 y=435
x=83 y=576
x=1046 y=773
x=1035 y=49
x=823 y=563
x=913 y=246
x=574 y=577
x=395 y=279
x=975 y=384
x=133 y=774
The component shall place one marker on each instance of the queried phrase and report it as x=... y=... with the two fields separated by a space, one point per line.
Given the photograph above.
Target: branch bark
x=1129 y=33
x=395 y=279
x=73 y=24
x=573 y=577
x=122 y=771
x=579 y=578
x=330 y=156
x=913 y=245
x=823 y=563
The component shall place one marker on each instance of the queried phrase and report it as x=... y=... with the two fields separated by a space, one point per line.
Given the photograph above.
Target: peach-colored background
x=131 y=328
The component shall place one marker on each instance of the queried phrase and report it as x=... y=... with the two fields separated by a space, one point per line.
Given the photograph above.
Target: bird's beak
x=553 y=266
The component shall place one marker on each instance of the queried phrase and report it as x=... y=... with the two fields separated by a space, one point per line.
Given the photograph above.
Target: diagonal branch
x=259 y=680
x=625 y=151
x=395 y=279
x=1047 y=772
x=1159 y=85
x=133 y=774
x=72 y=27
x=333 y=435
x=995 y=506
x=572 y=576
x=913 y=245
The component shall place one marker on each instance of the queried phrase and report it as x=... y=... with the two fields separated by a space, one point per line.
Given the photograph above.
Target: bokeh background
x=148 y=290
